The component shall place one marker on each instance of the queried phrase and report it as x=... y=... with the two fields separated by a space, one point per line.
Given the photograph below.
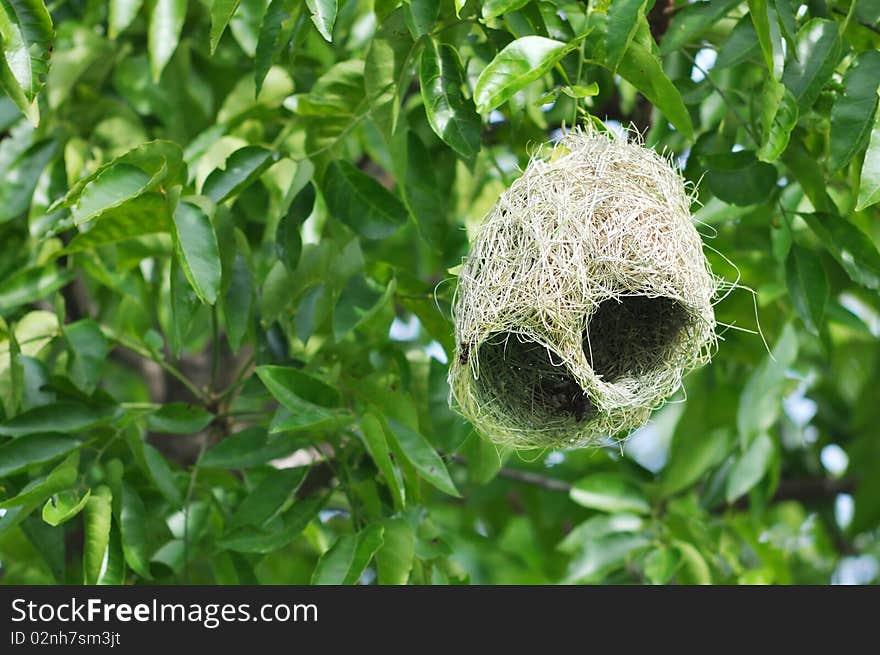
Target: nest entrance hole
x=633 y=335
x=527 y=379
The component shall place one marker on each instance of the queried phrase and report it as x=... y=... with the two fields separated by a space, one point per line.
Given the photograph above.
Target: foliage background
x=229 y=235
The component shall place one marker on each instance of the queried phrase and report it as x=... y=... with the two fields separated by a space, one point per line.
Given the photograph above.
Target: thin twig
x=215 y=349
x=189 y=494
x=730 y=105
x=240 y=378
x=168 y=368
x=867 y=26
x=802 y=489
x=526 y=477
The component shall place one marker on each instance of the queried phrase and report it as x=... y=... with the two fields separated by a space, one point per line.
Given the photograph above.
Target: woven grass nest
x=585 y=297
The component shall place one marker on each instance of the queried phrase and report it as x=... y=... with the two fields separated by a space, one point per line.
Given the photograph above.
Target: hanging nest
x=585 y=298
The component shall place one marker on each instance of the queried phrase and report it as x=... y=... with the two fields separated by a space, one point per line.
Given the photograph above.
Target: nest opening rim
x=631 y=336
x=525 y=377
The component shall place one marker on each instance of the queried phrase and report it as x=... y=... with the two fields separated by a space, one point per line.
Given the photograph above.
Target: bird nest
x=585 y=297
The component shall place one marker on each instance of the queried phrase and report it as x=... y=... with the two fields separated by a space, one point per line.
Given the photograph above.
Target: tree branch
x=535 y=479
x=809 y=490
x=801 y=489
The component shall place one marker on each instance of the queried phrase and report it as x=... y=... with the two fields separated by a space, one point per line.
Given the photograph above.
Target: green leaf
x=693 y=453
x=394 y=560
x=599 y=526
x=8 y=84
x=323 y=15
x=132 y=525
x=276 y=31
x=33 y=449
x=424 y=196
x=238 y=302
x=30 y=380
x=166 y=23
x=87 y=350
x=303 y=201
x=124 y=178
x=266 y=540
x=62 y=416
x=288 y=241
x=624 y=17
x=785 y=14
x=120 y=14
x=50 y=545
x=809 y=175
x=334 y=565
x=377 y=447
x=12 y=401
x=197 y=250
x=609 y=492
x=451 y=115
x=760 y=14
x=64 y=506
x=602 y=555
x=346 y=560
x=171 y=555
x=694 y=563
x=357 y=304
x=369 y=540
x=739 y=178
x=272 y=496
x=494 y=8
x=111 y=187
x=184 y=305
x=286 y=383
x=30 y=108
x=21 y=177
x=242 y=168
x=146 y=214
x=96 y=533
x=387 y=70
x=760 y=402
x=421 y=16
x=851 y=247
x=808 y=286
x=779 y=115
x=642 y=69
x=26 y=35
x=750 y=468
x=221 y=13
x=251 y=447
x=691 y=21
x=869 y=184
x=740 y=46
x=33 y=332
x=179 y=418
x=113 y=567
x=818 y=51
x=360 y=202
x=31 y=285
x=418 y=452
x=852 y=115
x=305 y=417
x=161 y=474
x=660 y=565
x=517 y=65
x=61 y=478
